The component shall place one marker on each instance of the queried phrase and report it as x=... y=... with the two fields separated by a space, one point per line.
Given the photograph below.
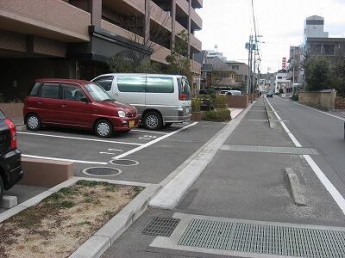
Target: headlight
x=121 y=113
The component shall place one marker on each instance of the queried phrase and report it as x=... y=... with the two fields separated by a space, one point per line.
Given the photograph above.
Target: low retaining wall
x=340 y=103
x=46 y=173
x=237 y=101
x=320 y=99
x=12 y=110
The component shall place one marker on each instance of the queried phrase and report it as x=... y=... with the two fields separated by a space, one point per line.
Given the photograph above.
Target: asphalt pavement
x=246 y=182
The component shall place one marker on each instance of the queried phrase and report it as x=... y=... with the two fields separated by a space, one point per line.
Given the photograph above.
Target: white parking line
x=59 y=159
x=153 y=142
x=108 y=153
x=114 y=150
x=79 y=138
x=338 y=198
x=143 y=131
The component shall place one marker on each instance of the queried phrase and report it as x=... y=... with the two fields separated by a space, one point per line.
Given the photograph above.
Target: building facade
x=75 y=39
x=314 y=27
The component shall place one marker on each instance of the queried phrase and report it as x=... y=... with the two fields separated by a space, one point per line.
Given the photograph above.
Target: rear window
x=105 y=82
x=34 y=91
x=131 y=83
x=159 y=84
x=184 y=87
x=50 y=90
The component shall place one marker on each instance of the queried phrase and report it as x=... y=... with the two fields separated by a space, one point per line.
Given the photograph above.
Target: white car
x=230 y=92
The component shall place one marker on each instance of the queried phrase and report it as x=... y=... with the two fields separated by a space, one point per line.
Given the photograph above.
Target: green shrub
x=295 y=97
x=220 y=100
x=220 y=115
x=196 y=102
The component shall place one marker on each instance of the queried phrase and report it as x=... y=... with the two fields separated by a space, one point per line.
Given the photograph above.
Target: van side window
x=160 y=84
x=70 y=92
x=105 y=82
x=50 y=90
x=131 y=83
x=34 y=91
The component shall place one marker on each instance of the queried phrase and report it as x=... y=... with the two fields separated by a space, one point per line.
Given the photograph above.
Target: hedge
x=218 y=115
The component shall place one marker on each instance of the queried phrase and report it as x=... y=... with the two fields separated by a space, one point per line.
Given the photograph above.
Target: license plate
x=131 y=124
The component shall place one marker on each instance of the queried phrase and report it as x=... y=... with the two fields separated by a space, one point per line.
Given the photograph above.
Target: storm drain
x=102 y=171
x=124 y=162
x=264 y=239
x=160 y=226
x=268 y=149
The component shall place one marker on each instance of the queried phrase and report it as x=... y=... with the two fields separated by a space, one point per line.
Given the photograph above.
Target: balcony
x=114 y=29
x=195 y=43
x=160 y=17
x=52 y=19
x=196 y=67
x=197 y=4
x=183 y=4
x=136 y=4
x=196 y=20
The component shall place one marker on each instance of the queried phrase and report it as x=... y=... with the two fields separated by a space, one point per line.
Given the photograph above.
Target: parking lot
x=140 y=155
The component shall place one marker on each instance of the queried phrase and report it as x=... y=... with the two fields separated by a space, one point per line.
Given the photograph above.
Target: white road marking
x=338 y=198
x=143 y=131
x=153 y=142
x=108 y=153
x=114 y=150
x=59 y=159
x=79 y=138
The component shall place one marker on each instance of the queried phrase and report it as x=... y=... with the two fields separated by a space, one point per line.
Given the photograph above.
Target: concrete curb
x=271 y=123
x=186 y=174
x=104 y=237
x=295 y=187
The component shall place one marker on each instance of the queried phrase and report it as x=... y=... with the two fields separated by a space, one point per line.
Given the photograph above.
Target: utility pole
x=249 y=47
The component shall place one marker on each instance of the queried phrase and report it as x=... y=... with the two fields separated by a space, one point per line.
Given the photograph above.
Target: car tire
x=2 y=189
x=33 y=122
x=103 y=129
x=153 y=121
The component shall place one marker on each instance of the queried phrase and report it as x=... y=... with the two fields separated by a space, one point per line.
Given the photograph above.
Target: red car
x=76 y=103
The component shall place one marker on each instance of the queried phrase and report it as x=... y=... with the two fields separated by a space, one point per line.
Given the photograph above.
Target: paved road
x=318 y=130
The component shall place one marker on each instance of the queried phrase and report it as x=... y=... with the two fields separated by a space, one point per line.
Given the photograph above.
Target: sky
x=228 y=24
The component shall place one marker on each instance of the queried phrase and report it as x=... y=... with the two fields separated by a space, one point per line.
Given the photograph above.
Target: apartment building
x=76 y=38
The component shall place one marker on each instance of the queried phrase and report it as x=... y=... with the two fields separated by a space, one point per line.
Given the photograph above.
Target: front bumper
x=125 y=123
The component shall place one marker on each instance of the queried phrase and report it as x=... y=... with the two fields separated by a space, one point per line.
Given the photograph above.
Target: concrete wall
x=12 y=110
x=324 y=99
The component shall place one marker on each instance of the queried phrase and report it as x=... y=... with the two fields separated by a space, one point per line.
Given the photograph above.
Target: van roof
x=147 y=74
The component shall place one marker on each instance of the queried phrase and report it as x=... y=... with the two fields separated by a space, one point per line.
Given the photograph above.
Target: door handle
x=64 y=105
x=39 y=102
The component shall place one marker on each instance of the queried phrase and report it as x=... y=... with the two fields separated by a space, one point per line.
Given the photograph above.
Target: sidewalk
x=245 y=182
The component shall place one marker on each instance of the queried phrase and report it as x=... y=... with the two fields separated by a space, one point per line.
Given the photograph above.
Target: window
x=97 y=92
x=235 y=67
x=184 y=87
x=105 y=82
x=70 y=92
x=160 y=85
x=50 y=90
x=279 y=77
x=131 y=83
x=34 y=91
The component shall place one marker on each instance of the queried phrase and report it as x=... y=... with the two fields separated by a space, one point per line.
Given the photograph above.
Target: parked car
x=10 y=157
x=270 y=94
x=234 y=93
x=223 y=92
x=160 y=99
x=76 y=103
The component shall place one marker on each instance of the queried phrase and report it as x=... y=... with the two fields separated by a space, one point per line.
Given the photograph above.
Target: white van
x=160 y=99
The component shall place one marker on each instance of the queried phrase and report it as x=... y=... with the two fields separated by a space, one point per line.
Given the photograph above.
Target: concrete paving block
x=9 y=201
x=295 y=187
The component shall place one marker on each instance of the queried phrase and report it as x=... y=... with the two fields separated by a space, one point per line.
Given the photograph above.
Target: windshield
x=97 y=92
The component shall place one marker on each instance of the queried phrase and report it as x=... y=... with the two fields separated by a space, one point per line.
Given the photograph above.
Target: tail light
x=183 y=96
x=13 y=133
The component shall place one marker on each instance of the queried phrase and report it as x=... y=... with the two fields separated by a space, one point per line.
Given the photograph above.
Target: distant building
x=206 y=69
x=283 y=82
x=215 y=53
x=295 y=65
x=241 y=70
x=314 y=27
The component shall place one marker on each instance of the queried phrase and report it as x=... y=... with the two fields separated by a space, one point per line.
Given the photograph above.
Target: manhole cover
x=160 y=226
x=102 y=171
x=124 y=162
x=265 y=239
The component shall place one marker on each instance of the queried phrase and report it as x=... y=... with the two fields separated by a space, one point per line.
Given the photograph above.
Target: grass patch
x=60 y=223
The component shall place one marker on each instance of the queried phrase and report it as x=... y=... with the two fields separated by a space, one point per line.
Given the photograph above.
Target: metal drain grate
x=268 y=149
x=264 y=239
x=124 y=162
x=160 y=226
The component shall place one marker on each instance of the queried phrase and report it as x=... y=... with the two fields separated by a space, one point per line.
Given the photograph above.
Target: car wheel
x=1 y=189
x=153 y=121
x=103 y=129
x=33 y=122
